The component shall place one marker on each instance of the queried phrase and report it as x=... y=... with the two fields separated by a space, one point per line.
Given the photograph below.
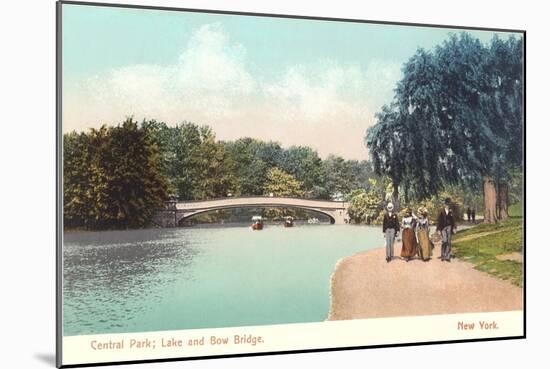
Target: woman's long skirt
x=424 y=246
x=409 y=243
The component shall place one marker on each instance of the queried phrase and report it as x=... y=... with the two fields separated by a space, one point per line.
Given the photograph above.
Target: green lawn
x=480 y=245
x=516 y=210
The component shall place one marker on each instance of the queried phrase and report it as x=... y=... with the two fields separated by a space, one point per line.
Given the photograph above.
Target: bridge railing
x=263 y=201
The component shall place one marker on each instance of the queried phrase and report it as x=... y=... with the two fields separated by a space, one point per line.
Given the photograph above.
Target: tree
x=197 y=165
x=447 y=124
x=113 y=177
x=305 y=165
x=363 y=205
x=134 y=185
x=362 y=173
x=280 y=183
x=247 y=166
x=179 y=147
x=271 y=153
x=386 y=143
x=76 y=179
x=463 y=65
x=503 y=105
x=340 y=175
x=213 y=176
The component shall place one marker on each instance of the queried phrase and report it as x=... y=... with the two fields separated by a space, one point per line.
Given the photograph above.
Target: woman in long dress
x=423 y=235
x=408 y=250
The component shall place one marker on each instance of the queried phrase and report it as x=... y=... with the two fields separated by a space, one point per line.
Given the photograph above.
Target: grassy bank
x=496 y=249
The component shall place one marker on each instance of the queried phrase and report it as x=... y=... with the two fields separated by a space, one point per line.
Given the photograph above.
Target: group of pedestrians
x=416 y=232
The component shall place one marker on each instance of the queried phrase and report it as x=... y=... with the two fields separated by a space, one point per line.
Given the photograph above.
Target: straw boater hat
x=422 y=211
x=389 y=206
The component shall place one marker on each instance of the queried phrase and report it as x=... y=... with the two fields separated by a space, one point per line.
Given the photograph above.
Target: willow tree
x=503 y=105
x=408 y=143
x=456 y=118
x=463 y=66
x=386 y=142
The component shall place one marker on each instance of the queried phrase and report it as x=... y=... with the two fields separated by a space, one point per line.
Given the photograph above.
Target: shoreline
x=365 y=286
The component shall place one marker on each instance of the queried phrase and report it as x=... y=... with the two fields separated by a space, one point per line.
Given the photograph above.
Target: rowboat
x=257 y=223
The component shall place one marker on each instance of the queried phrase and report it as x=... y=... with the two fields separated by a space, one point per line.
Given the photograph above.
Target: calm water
x=165 y=279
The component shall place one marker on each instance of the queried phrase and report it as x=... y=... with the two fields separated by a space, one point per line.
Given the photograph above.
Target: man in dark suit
x=445 y=227
x=390 y=228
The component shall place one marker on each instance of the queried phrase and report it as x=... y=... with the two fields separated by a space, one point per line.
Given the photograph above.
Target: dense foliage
x=456 y=119
x=117 y=177
x=364 y=205
x=112 y=177
x=280 y=183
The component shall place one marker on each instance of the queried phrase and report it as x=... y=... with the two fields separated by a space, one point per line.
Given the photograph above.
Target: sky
x=295 y=81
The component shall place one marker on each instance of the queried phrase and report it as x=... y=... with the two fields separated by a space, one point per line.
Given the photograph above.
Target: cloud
x=327 y=105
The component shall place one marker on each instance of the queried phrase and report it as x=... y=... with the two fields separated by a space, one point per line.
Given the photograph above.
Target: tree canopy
x=280 y=183
x=456 y=117
x=187 y=162
x=112 y=177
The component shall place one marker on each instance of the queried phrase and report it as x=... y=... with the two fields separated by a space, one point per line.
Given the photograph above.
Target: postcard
x=238 y=184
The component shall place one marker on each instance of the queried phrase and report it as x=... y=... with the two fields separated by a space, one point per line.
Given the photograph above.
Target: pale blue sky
x=119 y=62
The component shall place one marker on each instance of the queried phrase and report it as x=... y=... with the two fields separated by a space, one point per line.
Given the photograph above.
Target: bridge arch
x=335 y=210
x=182 y=217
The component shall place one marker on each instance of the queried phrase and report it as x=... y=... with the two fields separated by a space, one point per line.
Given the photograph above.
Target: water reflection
x=107 y=275
x=201 y=277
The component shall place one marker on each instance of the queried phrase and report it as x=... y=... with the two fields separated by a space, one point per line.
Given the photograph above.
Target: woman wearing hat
x=390 y=228
x=408 y=250
x=423 y=234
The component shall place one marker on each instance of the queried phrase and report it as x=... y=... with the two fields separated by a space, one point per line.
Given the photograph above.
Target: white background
x=27 y=184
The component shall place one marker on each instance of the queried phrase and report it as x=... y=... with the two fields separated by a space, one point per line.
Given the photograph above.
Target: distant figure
x=469 y=213
x=423 y=234
x=446 y=227
x=474 y=215
x=408 y=249
x=390 y=228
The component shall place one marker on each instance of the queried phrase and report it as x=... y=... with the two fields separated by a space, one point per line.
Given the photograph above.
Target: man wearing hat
x=446 y=227
x=390 y=228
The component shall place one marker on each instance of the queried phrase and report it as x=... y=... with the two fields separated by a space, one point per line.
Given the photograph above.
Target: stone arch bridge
x=176 y=212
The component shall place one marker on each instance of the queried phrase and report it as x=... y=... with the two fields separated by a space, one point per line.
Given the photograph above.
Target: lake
x=203 y=277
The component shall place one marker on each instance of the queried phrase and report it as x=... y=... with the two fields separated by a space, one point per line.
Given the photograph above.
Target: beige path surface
x=366 y=286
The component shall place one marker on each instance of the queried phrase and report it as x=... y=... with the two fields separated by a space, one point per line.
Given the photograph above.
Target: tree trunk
x=503 y=201
x=490 y=199
x=395 y=198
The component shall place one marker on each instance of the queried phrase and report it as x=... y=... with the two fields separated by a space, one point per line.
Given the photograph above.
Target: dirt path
x=365 y=286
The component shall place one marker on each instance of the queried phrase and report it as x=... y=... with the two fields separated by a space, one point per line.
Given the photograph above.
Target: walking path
x=366 y=286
